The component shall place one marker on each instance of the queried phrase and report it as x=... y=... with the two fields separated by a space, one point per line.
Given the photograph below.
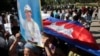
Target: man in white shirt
x=45 y=15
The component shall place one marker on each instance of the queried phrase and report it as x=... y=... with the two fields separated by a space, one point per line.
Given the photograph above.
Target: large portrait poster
x=30 y=20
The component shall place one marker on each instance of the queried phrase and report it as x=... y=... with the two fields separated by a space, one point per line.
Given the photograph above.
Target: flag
x=72 y=30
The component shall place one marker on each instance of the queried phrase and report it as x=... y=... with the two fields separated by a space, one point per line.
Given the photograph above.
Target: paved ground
x=95 y=29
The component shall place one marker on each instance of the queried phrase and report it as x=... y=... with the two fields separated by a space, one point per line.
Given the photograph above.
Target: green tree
x=49 y=2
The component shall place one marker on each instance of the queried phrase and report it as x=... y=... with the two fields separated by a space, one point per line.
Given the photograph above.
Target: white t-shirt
x=8 y=18
x=45 y=15
x=7 y=27
x=83 y=15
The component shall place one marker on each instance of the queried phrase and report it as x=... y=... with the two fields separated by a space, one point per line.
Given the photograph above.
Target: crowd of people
x=12 y=43
x=9 y=31
x=85 y=14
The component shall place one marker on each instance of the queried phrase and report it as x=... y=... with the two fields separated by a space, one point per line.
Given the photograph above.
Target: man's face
x=28 y=14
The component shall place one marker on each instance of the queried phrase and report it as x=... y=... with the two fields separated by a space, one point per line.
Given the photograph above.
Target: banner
x=30 y=20
x=70 y=30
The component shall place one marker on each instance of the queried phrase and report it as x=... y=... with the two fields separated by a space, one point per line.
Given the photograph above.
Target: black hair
x=52 y=38
x=45 y=34
x=15 y=29
x=52 y=15
x=75 y=18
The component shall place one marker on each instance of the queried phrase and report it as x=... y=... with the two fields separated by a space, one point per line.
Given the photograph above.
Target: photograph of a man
x=32 y=30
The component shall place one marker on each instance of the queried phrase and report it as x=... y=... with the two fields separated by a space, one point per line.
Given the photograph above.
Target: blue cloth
x=52 y=19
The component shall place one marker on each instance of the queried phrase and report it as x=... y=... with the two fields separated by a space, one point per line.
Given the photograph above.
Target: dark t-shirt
x=2 y=42
x=3 y=48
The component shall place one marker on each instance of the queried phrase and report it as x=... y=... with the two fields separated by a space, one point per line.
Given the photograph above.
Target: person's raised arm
x=12 y=49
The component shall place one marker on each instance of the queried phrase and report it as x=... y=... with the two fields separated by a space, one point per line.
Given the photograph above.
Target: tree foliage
x=50 y=2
